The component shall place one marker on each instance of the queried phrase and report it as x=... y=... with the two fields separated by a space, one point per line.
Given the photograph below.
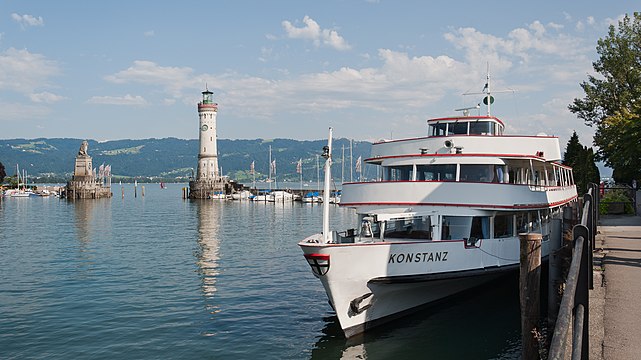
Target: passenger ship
x=443 y=216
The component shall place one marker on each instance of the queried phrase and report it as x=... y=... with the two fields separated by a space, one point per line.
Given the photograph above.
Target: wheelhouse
x=482 y=125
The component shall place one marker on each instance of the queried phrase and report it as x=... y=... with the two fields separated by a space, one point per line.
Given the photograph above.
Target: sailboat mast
x=270 y=168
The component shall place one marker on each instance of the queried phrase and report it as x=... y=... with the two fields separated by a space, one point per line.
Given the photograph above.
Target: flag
x=251 y=168
x=101 y=170
x=358 y=164
x=299 y=166
x=108 y=170
x=274 y=167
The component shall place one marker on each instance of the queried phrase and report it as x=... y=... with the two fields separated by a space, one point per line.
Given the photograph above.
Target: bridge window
x=443 y=172
x=438 y=130
x=458 y=128
x=482 y=128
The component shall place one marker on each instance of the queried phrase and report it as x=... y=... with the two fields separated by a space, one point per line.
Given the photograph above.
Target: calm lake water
x=159 y=277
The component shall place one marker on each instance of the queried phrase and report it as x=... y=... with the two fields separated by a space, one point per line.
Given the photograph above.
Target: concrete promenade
x=615 y=302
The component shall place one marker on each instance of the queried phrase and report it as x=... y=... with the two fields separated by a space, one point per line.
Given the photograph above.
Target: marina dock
x=615 y=302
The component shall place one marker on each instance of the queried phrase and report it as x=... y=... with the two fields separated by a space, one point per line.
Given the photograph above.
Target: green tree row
x=612 y=102
x=581 y=159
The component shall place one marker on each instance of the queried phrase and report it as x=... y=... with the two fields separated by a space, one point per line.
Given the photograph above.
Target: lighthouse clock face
x=204 y=127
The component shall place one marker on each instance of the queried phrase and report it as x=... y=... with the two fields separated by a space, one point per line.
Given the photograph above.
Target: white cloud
x=17 y=112
x=118 y=100
x=312 y=31
x=172 y=79
x=23 y=72
x=27 y=20
x=519 y=45
x=149 y=33
x=46 y=97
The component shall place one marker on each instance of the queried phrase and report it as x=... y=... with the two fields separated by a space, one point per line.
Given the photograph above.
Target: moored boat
x=443 y=216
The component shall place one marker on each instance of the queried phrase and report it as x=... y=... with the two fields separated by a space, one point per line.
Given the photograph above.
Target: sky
x=371 y=69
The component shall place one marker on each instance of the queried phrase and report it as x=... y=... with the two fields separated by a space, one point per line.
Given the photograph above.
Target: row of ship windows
x=466 y=227
x=465 y=128
x=487 y=173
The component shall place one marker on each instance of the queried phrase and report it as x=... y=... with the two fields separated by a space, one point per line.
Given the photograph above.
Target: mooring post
x=143 y=191
x=554 y=273
x=530 y=281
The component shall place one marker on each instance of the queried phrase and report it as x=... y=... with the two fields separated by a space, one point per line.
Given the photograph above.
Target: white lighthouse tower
x=208 y=151
x=209 y=181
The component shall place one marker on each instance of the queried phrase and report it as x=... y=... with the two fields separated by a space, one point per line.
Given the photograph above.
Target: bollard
x=529 y=283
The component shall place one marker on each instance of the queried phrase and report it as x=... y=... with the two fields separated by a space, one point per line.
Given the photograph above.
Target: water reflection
x=486 y=320
x=207 y=257
x=92 y=218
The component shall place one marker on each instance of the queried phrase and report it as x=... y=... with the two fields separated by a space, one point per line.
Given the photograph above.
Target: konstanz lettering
x=417 y=257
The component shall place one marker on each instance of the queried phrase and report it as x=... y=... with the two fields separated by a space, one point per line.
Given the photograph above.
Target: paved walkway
x=615 y=302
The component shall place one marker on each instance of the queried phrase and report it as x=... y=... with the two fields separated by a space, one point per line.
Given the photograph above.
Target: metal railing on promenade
x=574 y=308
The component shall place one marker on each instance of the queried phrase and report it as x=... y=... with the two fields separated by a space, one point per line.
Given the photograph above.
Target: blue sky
x=289 y=69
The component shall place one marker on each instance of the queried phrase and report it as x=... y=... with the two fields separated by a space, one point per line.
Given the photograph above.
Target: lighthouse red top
x=207 y=102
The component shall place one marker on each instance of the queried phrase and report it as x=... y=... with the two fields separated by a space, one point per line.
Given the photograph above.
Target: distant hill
x=172 y=159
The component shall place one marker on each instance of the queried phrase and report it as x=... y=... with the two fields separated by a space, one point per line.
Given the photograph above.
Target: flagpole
x=351 y=160
x=343 y=166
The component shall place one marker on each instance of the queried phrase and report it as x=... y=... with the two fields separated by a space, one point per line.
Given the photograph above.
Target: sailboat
x=21 y=192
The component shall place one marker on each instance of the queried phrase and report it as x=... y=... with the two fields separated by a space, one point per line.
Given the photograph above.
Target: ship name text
x=417 y=257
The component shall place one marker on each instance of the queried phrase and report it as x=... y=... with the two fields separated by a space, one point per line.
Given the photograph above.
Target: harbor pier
x=615 y=301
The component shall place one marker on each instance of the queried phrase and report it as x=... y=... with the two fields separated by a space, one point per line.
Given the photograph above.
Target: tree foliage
x=612 y=101
x=2 y=173
x=582 y=160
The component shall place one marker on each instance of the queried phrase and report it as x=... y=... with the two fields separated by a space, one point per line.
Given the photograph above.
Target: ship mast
x=327 y=154
x=488 y=99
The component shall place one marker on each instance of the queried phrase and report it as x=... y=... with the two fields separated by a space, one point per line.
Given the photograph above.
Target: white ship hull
x=371 y=283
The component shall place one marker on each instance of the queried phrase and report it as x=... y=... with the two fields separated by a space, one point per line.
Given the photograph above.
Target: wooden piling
x=530 y=281
x=143 y=191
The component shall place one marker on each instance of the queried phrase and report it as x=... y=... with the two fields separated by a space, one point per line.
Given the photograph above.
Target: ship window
x=438 y=130
x=457 y=128
x=482 y=128
x=443 y=172
x=409 y=228
x=480 y=227
x=455 y=227
x=527 y=222
x=503 y=226
x=398 y=173
x=478 y=173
